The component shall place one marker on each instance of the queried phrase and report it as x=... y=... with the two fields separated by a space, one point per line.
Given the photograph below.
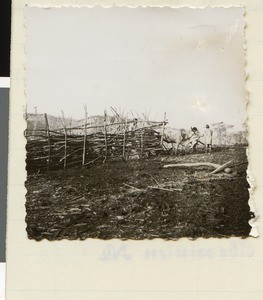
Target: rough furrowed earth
x=140 y=199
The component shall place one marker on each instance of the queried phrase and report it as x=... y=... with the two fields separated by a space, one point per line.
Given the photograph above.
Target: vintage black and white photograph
x=136 y=123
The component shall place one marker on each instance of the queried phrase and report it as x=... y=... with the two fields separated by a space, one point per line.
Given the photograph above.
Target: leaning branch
x=221 y=168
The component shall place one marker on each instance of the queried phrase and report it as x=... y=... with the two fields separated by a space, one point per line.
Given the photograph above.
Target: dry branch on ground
x=217 y=168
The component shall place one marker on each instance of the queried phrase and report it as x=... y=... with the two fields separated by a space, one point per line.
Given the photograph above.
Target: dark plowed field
x=117 y=200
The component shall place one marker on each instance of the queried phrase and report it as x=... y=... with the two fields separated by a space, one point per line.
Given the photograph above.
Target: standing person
x=194 y=138
x=208 y=137
x=134 y=124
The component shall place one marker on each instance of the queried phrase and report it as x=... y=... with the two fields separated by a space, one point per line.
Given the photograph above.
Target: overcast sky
x=186 y=62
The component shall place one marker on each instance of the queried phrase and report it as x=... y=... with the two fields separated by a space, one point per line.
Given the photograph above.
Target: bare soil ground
x=114 y=200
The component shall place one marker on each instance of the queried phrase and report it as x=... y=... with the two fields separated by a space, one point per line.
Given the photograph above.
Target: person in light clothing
x=208 y=138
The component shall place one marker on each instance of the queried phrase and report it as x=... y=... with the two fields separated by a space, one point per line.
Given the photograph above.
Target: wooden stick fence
x=53 y=149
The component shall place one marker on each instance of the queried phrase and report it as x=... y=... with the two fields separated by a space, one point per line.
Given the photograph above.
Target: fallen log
x=189 y=165
x=217 y=168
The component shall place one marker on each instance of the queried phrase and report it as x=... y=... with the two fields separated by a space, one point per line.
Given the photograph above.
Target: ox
x=176 y=139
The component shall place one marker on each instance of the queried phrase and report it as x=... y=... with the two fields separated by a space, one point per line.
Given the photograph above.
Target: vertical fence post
x=49 y=142
x=85 y=136
x=124 y=139
x=142 y=142
x=162 y=136
x=65 y=143
x=105 y=133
